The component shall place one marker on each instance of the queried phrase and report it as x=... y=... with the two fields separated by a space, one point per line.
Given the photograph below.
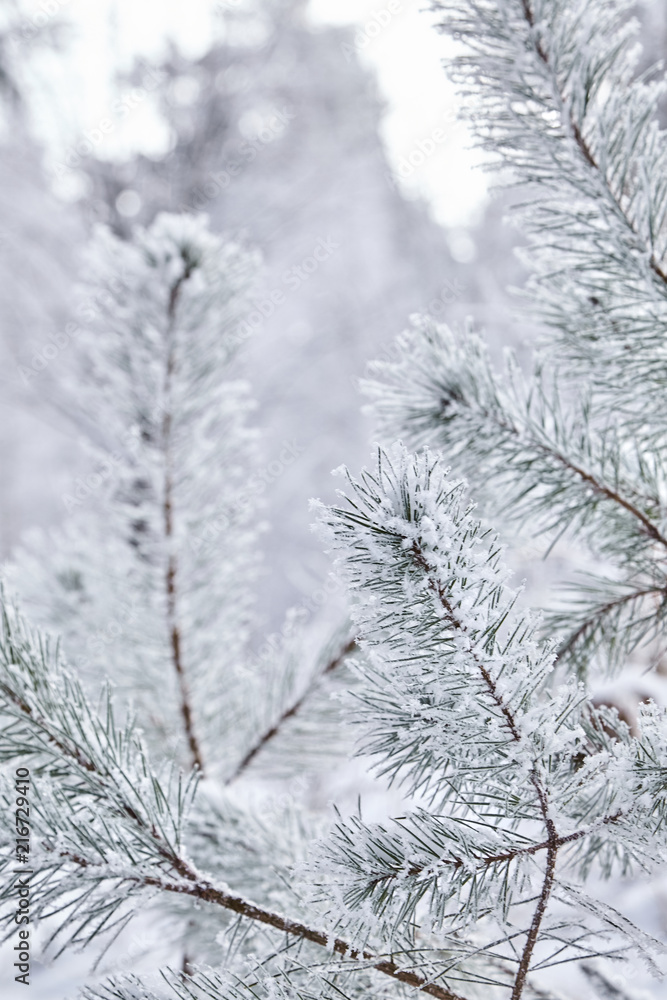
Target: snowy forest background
x=293 y=92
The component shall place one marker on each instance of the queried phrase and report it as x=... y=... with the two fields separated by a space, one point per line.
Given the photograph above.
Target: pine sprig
x=97 y=807
x=457 y=704
x=138 y=578
x=556 y=471
x=108 y=830
x=538 y=450
x=293 y=707
x=552 y=94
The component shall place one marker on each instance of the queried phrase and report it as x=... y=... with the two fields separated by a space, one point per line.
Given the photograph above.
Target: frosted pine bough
x=133 y=579
x=519 y=788
x=578 y=446
x=151 y=581
x=146 y=597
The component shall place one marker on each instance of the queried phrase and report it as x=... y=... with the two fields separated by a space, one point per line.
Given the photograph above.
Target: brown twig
x=495 y=859
x=69 y=751
x=202 y=890
x=437 y=588
x=171 y=574
x=290 y=712
x=609 y=494
x=552 y=836
x=538 y=916
x=604 y=610
x=603 y=491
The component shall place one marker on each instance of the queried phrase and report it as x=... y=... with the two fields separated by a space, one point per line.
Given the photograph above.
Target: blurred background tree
x=275 y=126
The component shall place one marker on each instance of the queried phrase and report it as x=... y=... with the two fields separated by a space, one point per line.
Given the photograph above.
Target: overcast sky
x=427 y=147
x=406 y=52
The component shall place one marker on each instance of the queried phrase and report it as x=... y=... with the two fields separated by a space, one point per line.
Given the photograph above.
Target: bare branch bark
x=293 y=710
x=538 y=916
x=172 y=566
x=200 y=889
x=603 y=610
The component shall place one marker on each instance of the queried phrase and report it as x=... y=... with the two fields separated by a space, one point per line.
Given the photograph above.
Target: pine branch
x=552 y=836
x=552 y=94
x=171 y=575
x=441 y=593
x=68 y=749
x=526 y=440
x=585 y=476
x=152 y=577
x=70 y=754
x=582 y=145
x=196 y=887
x=289 y=713
x=290 y=980
x=605 y=988
x=596 y=619
x=441 y=391
x=457 y=699
x=486 y=861
x=607 y=493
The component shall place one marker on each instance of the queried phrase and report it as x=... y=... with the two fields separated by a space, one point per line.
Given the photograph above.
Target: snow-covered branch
x=553 y=95
x=457 y=704
x=129 y=580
